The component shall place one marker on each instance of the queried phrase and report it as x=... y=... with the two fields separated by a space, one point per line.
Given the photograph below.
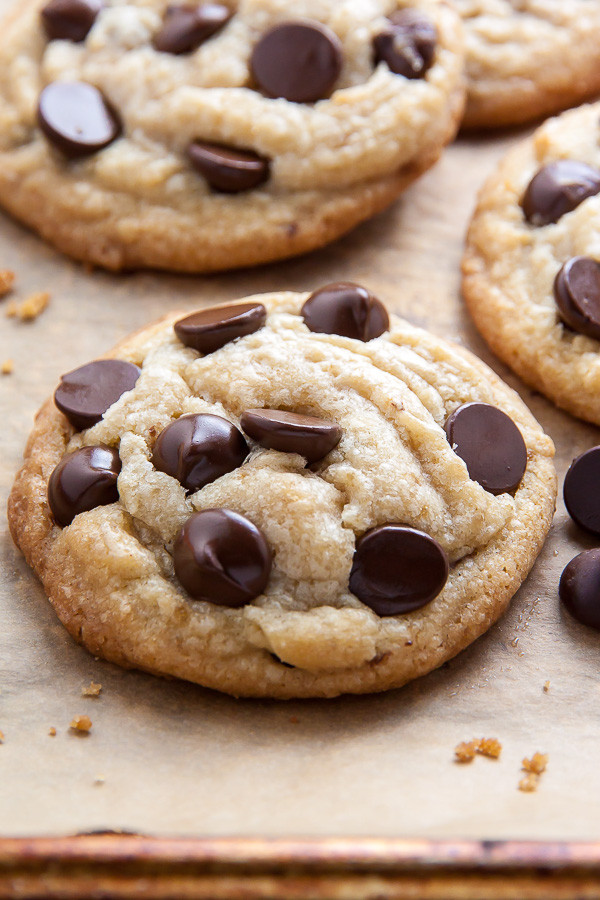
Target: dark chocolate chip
x=577 y=295
x=346 y=309
x=397 y=569
x=222 y=557
x=210 y=329
x=83 y=480
x=407 y=45
x=76 y=118
x=186 y=26
x=227 y=169
x=559 y=188
x=490 y=444
x=581 y=490
x=70 y=20
x=198 y=449
x=85 y=394
x=299 y=61
x=579 y=588
x=309 y=436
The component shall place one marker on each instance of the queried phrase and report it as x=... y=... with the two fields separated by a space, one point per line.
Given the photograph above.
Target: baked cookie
x=528 y=58
x=290 y=496
x=531 y=271
x=209 y=136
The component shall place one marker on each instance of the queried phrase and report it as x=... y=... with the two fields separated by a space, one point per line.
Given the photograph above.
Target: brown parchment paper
x=170 y=758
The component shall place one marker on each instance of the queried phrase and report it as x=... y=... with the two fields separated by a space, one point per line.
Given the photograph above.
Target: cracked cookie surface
x=110 y=574
x=511 y=263
x=190 y=164
x=528 y=58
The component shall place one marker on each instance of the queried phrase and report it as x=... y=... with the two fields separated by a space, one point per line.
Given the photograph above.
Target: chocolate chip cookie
x=528 y=58
x=532 y=262
x=291 y=496
x=199 y=137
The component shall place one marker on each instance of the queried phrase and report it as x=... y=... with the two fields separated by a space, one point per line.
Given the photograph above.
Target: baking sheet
x=172 y=759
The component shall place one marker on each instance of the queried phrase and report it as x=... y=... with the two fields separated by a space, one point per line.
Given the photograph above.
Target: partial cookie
x=528 y=58
x=205 y=137
x=296 y=498
x=531 y=270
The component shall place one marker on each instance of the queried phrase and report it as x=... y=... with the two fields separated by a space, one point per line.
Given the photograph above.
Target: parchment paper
x=170 y=758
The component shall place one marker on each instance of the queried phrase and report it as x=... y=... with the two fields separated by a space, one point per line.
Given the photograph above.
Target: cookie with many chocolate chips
x=528 y=58
x=303 y=507
x=531 y=270
x=199 y=137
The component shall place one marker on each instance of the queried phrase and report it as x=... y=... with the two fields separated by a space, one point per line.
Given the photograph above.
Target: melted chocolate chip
x=227 y=169
x=490 y=444
x=85 y=394
x=210 y=329
x=83 y=480
x=407 y=45
x=186 y=26
x=309 y=436
x=397 y=569
x=579 y=588
x=577 y=295
x=558 y=188
x=70 y=20
x=581 y=490
x=346 y=309
x=76 y=118
x=198 y=449
x=299 y=61
x=222 y=557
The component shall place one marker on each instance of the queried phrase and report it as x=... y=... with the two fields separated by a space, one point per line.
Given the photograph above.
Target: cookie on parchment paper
x=531 y=270
x=291 y=496
x=205 y=137
x=528 y=58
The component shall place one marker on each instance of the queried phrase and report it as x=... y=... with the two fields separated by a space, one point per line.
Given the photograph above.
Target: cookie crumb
x=546 y=687
x=1 y=737
x=52 y=731
x=490 y=747
x=99 y=779
x=537 y=764
x=92 y=691
x=7 y=279
x=7 y=367
x=465 y=751
x=529 y=783
x=82 y=724
x=33 y=306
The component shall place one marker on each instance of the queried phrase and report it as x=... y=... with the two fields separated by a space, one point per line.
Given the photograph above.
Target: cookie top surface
x=316 y=609
x=204 y=136
x=528 y=58
x=530 y=276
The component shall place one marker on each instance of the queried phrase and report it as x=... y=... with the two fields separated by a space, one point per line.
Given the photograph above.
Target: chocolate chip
x=83 y=480
x=187 y=26
x=397 y=569
x=227 y=169
x=210 y=329
x=299 y=61
x=70 y=20
x=558 y=188
x=407 y=45
x=577 y=295
x=85 y=394
x=581 y=490
x=76 y=118
x=490 y=444
x=222 y=557
x=346 y=309
x=311 y=437
x=579 y=588
x=198 y=449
